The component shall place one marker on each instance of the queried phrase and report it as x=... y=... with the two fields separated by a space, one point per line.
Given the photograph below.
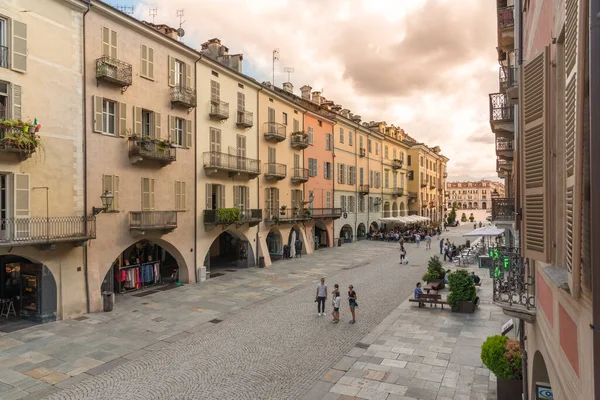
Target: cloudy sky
x=424 y=65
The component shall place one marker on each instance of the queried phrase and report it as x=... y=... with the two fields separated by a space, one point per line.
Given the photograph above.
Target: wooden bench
x=478 y=284
x=429 y=298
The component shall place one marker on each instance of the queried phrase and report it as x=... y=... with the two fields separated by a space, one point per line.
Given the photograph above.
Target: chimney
x=213 y=48
x=336 y=108
x=306 y=92
x=345 y=112
x=288 y=87
x=316 y=97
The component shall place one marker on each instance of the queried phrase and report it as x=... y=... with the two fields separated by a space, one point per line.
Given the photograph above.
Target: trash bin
x=261 y=262
x=340 y=241
x=108 y=300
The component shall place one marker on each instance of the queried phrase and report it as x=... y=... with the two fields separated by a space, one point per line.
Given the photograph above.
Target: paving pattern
x=270 y=344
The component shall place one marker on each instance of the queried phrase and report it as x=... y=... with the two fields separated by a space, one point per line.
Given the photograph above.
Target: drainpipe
x=594 y=150
x=258 y=177
x=333 y=187
x=84 y=145
x=196 y=155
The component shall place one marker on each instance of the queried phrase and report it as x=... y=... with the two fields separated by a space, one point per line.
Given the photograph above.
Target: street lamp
x=495 y=194
x=107 y=199
x=311 y=197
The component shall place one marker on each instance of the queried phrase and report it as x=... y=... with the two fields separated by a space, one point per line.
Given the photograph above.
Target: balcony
x=299 y=141
x=503 y=209
x=445 y=175
x=509 y=82
x=229 y=216
x=413 y=195
x=299 y=175
x=423 y=184
x=44 y=231
x=363 y=189
x=501 y=115
x=513 y=285
x=286 y=215
x=504 y=149
x=113 y=71
x=140 y=221
x=432 y=186
x=13 y=142
x=274 y=131
x=334 y=213
x=397 y=164
x=245 y=119
x=506 y=30
x=503 y=165
x=362 y=152
x=397 y=192
x=275 y=171
x=141 y=149
x=215 y=161
x=183 y=97
x=219 y=110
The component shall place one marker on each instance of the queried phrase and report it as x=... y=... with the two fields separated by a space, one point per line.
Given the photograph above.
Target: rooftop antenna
x=180 y=31
x=289 y=71
x=275 y=58
x=153 y=13
x=124 y=9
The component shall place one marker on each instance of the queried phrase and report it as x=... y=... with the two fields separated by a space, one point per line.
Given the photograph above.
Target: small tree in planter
x=471 y=217
x=435 y=272
x=462 y=291
x=502 y=356
x=463 y=217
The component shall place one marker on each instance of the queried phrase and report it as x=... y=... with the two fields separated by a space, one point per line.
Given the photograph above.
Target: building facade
x=473 y=195
x=426 y=181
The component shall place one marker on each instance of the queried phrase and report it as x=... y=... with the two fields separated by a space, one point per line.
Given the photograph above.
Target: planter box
x=509 y=389
x=437 y=284
x=467 y=307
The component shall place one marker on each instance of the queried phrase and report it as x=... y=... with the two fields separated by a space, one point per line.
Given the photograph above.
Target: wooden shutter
x=172 y=127
x=22 y=200
x=271 y=115
x=208 y=196
x=113 y=44
x=188 y=75
x=276 y=198
x=236 y=197
x=183 y=195
x=188 y=133
x=144 y=60
x=296 y=161
x=145 y=194
x=17 y=96
x=171 y=71
x=246 y=197
x=177 y=194
x=152 y=194
x=122 y=118
x=137 y=121
x=222 y=196
x=535 y=76
x=157 y=125
x=115 y=192
x=97 y=103
x=241 y=101
x=150 y=63
x=105 y=41
x=19 y=46
x=215 y=90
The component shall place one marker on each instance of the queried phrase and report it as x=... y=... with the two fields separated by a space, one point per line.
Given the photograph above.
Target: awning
x=486 y=231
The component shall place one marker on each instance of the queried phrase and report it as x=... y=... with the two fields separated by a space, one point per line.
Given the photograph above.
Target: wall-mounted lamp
x=107 y=199
x=311 y=197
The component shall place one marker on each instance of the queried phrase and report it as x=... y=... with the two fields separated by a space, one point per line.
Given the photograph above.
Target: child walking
x=336 y=306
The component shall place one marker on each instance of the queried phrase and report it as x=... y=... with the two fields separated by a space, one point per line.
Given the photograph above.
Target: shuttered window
x=272 y=199
x=297 y=198
x=111 y=183
x=310 y=135
x=22 y=204
x=180 y=195
x=241 y=197
x=215 y=90
x=147 y=62
x=328 y=141
x=351 y=203
x=296 y=125
x=341 y=173
x=328 y=199
x=535 y=166
x=147 y=194
x=16 y=101
x=109 y=42
x=241 y=101
x=350 y=138
x=110 y=117
x=343 y=203
x=312 y=167
x=19 y=46
x=341 y=135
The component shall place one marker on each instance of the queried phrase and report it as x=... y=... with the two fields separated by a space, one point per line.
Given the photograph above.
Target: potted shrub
x=502 y=356
x=435 y=272
x=463 y=294
x=228 y=215
x=467 y=243
x=463 y=217
x=282 y=209
x=471 y=217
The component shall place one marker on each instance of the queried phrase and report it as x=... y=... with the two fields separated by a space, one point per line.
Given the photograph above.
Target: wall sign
x=543 y=391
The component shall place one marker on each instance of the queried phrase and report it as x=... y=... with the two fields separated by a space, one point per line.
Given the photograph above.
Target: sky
x=426 y=66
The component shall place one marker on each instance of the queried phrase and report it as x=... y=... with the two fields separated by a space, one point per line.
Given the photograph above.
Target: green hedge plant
x=462 y=288
x=228 y=215
x=435 y=270
x=502 y=356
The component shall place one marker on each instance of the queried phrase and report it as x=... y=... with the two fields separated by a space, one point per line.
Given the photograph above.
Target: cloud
x=424 y=65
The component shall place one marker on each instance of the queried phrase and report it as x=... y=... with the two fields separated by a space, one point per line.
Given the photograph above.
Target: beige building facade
x=473 y=195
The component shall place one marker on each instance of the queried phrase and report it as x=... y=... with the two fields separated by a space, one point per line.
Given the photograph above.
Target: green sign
x=496 y=273
x=506 y=263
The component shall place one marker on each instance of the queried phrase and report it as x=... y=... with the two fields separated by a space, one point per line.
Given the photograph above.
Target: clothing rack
x=138 y=276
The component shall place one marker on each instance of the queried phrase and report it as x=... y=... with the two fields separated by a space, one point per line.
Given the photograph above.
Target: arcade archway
x=346 y=233
x=540 y=376
x=361 y=232
x=475 y=205
x=394 y=209
x=402 y=209
x=374 y=227
x=231 y=249
x=293 y=246
x=321 y=235
x=484 y=205
x=275 y=244
x=386 y=209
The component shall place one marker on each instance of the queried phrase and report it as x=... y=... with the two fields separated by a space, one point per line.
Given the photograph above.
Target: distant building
x=474 y=195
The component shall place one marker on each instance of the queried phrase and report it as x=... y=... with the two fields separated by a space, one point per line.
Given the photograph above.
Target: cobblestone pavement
x=270 y=344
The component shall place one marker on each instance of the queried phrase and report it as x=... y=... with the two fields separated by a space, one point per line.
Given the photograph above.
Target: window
x=179 y=134
x=371 y=207
x=350 y=138
x=109 y=122
x=362 y=173
x=109 y=42
x=319 y=122
x=4 y=103
x=147 y=194
x=215 y=90
x=215 y=73
x=343 y=203
x=341 y=173
x=341 y=135
x=328 y=199
x=297 y=198
x=241 y=197
x=215 y=140
x=147 y=64
x=312 y=167
x=408 y=161
x=296 y=125
x=147 y=123
x=284 y=118
x=394 y=154
x=387 y=178
x=328 y=141
x=360 y=142
x=240 y=86
x=272 y=199
x=215 y=196
x=3 y=43
x=385 y=152
x=241 y=101
x=310 y=135
x=369 y=146
x=327 y=170
x=376 y=149
x=361 y=204
x=351 y=203
x=180 y=195
x=421 y=161
x=111 y=183
x=395 y=180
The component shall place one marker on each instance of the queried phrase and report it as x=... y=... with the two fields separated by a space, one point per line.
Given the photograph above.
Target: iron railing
x=503 y=164
x=275 y=171
x=288 y=214
x=412 y=195
x=3 y=56
x=503 y=209
x=445 y=174
x=362 y=152
x=363 y=189
x=299 y=141
x=250 y=216
x=508 y=77
x=326 y=212
x=230 y=163
x=506 y=17
x=397 y=164
x=504 y=145
x=42 y=230
x=299 y=175
x=147 y=148
x=513 y=282
x=244 y=119
x=11 y=141
x=183 y=96
x=219 y=110
x=151 y=220
x=114 y=71
x=395 y=191
x=274 y=130
x=500 y=108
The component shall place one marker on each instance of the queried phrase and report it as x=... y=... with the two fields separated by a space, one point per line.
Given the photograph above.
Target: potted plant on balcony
x=502 y=356
x=435 y=273
x=282 y=209
x=307 y=211
x=463 y=294
x=228 y=215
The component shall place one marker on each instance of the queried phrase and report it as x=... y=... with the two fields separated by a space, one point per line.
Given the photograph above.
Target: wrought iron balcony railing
x=146 y=148
x=397 y=164
x=503 y=209
x=362 y=152
x=506 y=17
x=513 y=283
x=152 y=220
x=114 y=71
x=14 y=140
x=274 y=131
x=183 y=96
x=214 y=161
x=508 y=77
x=504 y=145
x=46 y=230
x=219 y=110
x=249 y=216
x=275 y=171
x=244 y=119
x=299 y=141
x=398 y=192
x=503 y=165
x=334 y=213
x=299 y=175
x=3 y=56
x=500 y=109
x=363 y=189
x=287 y=214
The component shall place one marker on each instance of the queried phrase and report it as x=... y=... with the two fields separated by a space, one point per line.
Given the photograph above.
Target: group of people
x=408 y=233
x=448 y=249
x=321 y=298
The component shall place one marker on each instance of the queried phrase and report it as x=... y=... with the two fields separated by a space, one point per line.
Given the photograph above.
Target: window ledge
x=559 y=276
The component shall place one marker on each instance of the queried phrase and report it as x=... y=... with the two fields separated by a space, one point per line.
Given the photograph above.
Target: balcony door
x=22 y=223
x=272 y=160
x=271 y=116
x=215 y=147
x=241 y=153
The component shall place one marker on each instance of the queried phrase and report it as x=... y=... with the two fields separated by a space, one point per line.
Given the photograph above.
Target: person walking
x=336 y=302
x=442 y=246
x=428 y=242
x=418 y=239
x=321 y=297
x=446 y=250
x=298 y=245
x=352 y=303
x=402 y=254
